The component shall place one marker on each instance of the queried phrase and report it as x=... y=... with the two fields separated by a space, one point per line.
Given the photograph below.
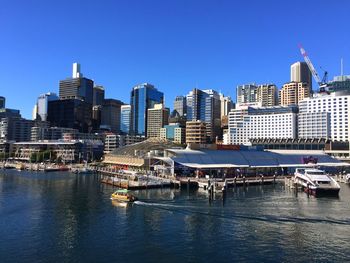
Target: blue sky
x=175 y=45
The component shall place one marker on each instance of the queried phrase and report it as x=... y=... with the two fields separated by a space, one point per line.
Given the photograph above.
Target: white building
x=248 y=122
x=226 y=105
x=324 y=116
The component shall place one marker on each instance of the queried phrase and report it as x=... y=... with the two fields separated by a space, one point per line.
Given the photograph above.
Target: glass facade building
x=180 y=105
x=98 y=95
x=72 y=113
x=125 y=113
x=143 y=97
x=205 y=105
x=110 y=115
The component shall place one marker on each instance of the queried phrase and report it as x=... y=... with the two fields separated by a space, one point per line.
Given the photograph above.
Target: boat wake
x=263 y=218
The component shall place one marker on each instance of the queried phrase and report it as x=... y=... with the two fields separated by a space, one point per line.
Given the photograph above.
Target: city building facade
x=196 y=132
x=246 y=123
x=157 y=117
x=143 y=97
x=267 y=95
x=173 y=132
x=293 y=92
x=98 y=96
x=70 y=113
x=300 y=72
x=247 y=93
x=205 y=106
x=42 y=105
x=125 y=115
x=77 y=87
x=110 y=115
x=325 y=116
x=226 y=105
x=180 y=105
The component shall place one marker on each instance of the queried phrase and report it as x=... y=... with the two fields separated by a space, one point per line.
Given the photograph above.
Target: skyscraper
x=125 y=114
x=110 y=115
x=42 y=105
x=77 y=87
x=299 y=72
x=267 y=95
x=157 y=117
x=226 y=105
x=143 y=97
x=180 y=105
x=2 y=102
x=247 y=93
x=98 y=95
x=70 y=113
x=204 y=105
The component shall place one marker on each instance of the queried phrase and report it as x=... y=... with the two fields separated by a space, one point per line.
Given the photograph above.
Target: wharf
x=229 y=182
x=132 y=180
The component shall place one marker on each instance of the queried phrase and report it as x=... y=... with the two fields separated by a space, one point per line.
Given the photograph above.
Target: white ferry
x=316 y=182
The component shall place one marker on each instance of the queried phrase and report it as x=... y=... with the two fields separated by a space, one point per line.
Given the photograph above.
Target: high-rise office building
x=77 y=87
x=204 y=105
x=42 y=105
x=157 y=117
x=98 y=95
x=110 y=115
x=125 y=114
x=70 y=113
x=293 y=92
x=180 y=105
x=299 y=72
x=226 y=105
x=143 y=97
x=267 y=95
x=2 y=102
x=247 y=93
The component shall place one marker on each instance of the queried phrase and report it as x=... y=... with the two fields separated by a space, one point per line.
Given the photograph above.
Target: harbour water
x=64 y=217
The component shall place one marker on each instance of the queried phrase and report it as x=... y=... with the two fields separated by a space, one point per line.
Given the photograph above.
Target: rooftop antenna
x=341 y=67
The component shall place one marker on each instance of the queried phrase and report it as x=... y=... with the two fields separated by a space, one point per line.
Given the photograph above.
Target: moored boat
x=123 y=195
x=316 y=182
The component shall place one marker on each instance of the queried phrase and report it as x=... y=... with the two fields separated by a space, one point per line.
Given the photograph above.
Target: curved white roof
x=230 y=159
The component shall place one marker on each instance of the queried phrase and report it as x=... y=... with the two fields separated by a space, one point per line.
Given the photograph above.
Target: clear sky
x=175 y=45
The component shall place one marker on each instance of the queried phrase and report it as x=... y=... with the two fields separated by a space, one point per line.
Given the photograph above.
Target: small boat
x=123 y=195
x=316 y=182
x=20 y=167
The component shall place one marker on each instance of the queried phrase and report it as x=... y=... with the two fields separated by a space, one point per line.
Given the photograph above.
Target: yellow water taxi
x=123 y=195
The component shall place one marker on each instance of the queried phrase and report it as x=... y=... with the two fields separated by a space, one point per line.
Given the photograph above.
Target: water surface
x=63 y=217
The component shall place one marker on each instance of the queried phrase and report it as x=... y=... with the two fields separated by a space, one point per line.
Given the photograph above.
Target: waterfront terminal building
x=167 y=159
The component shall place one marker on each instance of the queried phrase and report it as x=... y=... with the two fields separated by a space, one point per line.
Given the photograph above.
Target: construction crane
x=321 y=83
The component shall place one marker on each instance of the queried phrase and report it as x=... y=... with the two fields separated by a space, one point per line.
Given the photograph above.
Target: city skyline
x=211 y=46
